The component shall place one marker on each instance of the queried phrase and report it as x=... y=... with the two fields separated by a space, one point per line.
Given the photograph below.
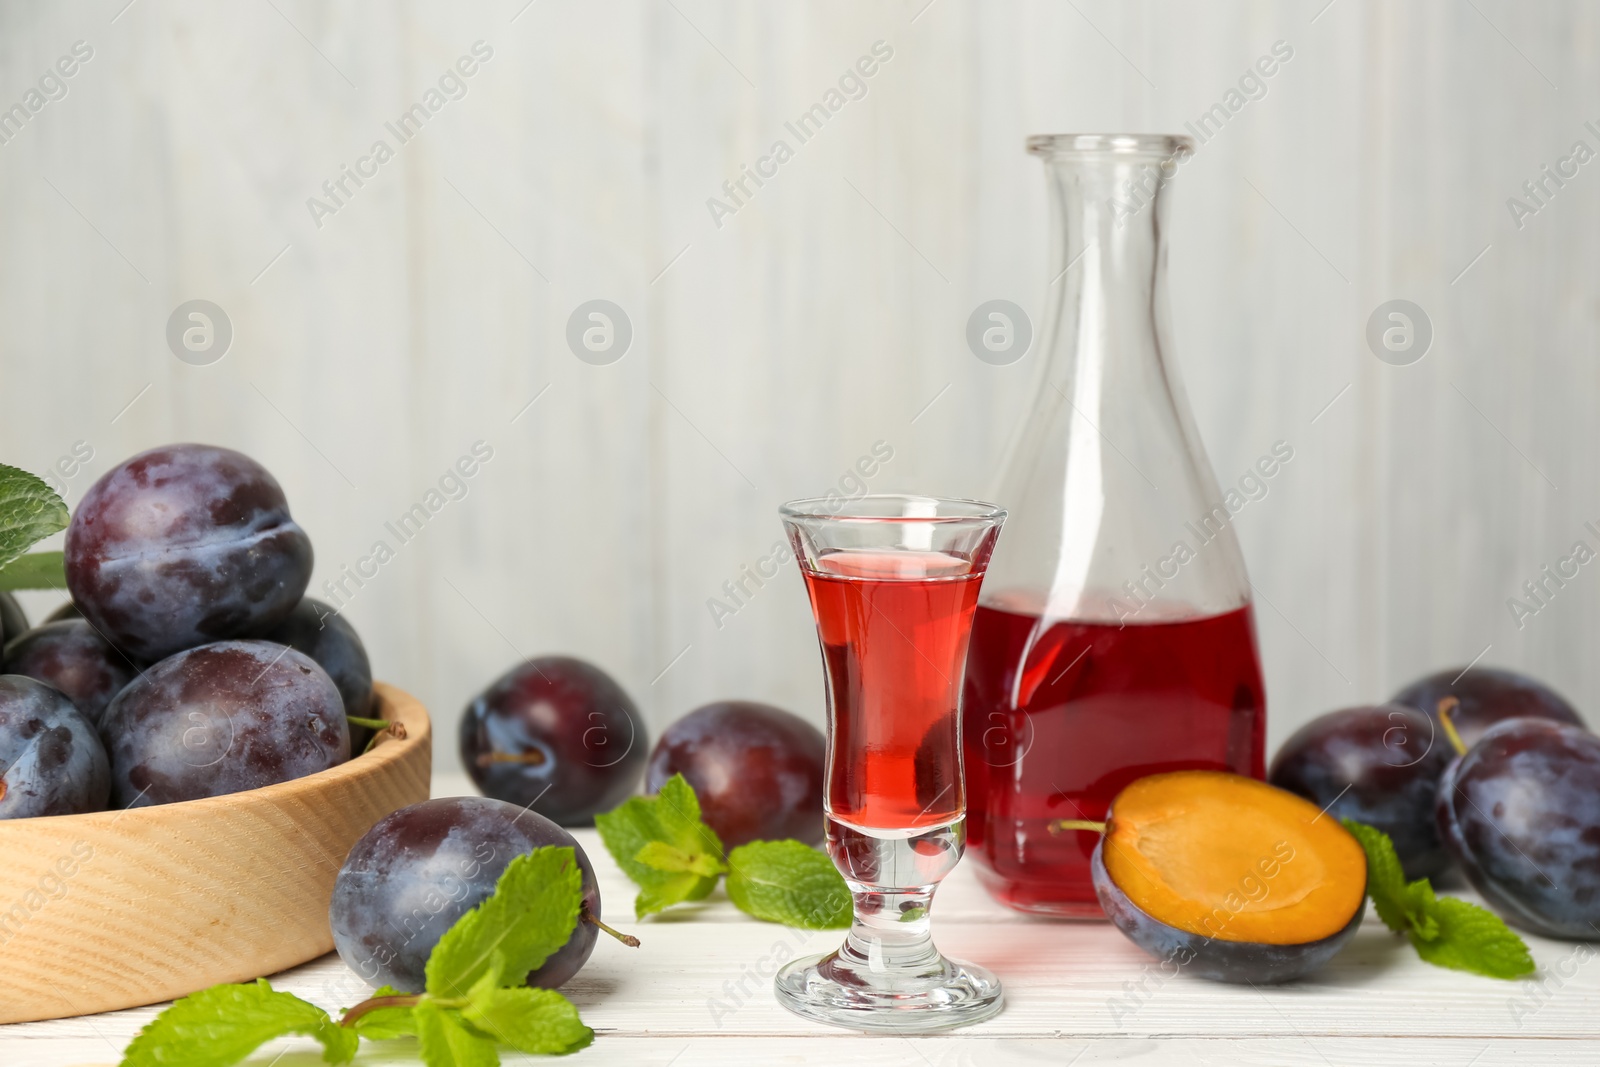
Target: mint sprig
x=788 y=882
x=1446 y=931
x=475 y=1001
x=673 y=856
x=222 y=1025
x=30 y=511
x=661 y=843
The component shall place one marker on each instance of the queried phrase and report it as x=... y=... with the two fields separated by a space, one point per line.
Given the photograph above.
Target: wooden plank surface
x=1072 y=989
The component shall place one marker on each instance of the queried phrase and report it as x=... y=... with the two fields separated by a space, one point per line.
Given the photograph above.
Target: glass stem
x=890 y=932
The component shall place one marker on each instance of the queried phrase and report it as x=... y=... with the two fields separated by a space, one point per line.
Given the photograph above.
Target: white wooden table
x=1076 y=994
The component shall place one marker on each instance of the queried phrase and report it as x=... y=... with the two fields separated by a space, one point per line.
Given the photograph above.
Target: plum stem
x=531 y=758
x=1446 y=711
x=626 y=939
x=1063 y=825
x=372 y=1004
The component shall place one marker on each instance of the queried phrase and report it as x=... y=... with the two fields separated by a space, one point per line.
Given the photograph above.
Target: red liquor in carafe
x=1114 y=637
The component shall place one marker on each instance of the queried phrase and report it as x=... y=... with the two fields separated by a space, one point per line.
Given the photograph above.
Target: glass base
x=887 y=976
x=833 y=989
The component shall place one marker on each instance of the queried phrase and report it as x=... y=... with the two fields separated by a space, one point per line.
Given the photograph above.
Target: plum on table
x=222 y=718
x=555 y=735
x=756 y=769
x=72 y=656
x=1521 y=813
x=1378 y=765
x=1226 y=877
x=51 y=759
x=421 y=868
x=1486 y=695
x=183 y=545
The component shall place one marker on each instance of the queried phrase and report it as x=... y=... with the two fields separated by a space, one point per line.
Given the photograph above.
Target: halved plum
x=1229 y=878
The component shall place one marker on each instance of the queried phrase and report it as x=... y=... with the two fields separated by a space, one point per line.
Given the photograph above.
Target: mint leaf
x=529 y=1020
x=220 y=1026
x=671 y=818
x=384 y=1023
x=674 y=860
x=1446 y=931
x=446 y=1041
x=36 y=570
x=531 y=914
x=29 y=511
x=788 y=882
x=1386 y=882
x=1472 y=939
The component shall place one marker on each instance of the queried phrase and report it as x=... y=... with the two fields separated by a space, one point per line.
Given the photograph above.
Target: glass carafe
x=1114 y=637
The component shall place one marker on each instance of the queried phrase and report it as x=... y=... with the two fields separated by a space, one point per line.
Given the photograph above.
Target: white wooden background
x=827 y=314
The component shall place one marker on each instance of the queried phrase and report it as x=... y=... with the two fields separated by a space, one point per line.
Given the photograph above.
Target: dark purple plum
x=556 y=735
x=69 y=610
x=1487 y=695
x=756 y=769
x=327 y=637
x=51 y=759
x=184 y=545
x=1211 y=957
x=1378 y=765
x=13 y=620
x=73 y=658
x=1521 y=813
x=421 y=868
x=222 y=718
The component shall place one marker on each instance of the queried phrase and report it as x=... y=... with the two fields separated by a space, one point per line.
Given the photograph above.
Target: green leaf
x=672 y=819
x=1386 y=882
x=384 y=1023
x=1445 y=931
x=788 y=882
x=29 y=511
x=529 y=1020
x=447 y=1042
x=222 y=1025
x=674 y=860
x=36 y=570
x=1472 y=939
x=531 y=914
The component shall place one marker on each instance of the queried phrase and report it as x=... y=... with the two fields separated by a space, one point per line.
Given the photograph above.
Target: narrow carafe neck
x=1107 y=293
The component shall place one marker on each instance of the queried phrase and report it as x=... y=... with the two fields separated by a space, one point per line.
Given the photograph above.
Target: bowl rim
x=399 y=705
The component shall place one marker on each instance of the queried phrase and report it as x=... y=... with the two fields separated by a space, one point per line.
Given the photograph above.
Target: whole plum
x=75 y=659
x=183 y=545
x=1376 y=765
x=13 y=620
x=327 y=637
x=756 y=769
x=1521 y=813
x=53 y=761
x=555 y=735
x=222 y=718
x=421 y=868
x=1487 y=695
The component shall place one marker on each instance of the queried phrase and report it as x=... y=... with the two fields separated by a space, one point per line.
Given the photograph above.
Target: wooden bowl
x=119 y=908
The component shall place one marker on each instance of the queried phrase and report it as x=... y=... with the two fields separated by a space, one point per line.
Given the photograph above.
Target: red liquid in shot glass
x=894 y=627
